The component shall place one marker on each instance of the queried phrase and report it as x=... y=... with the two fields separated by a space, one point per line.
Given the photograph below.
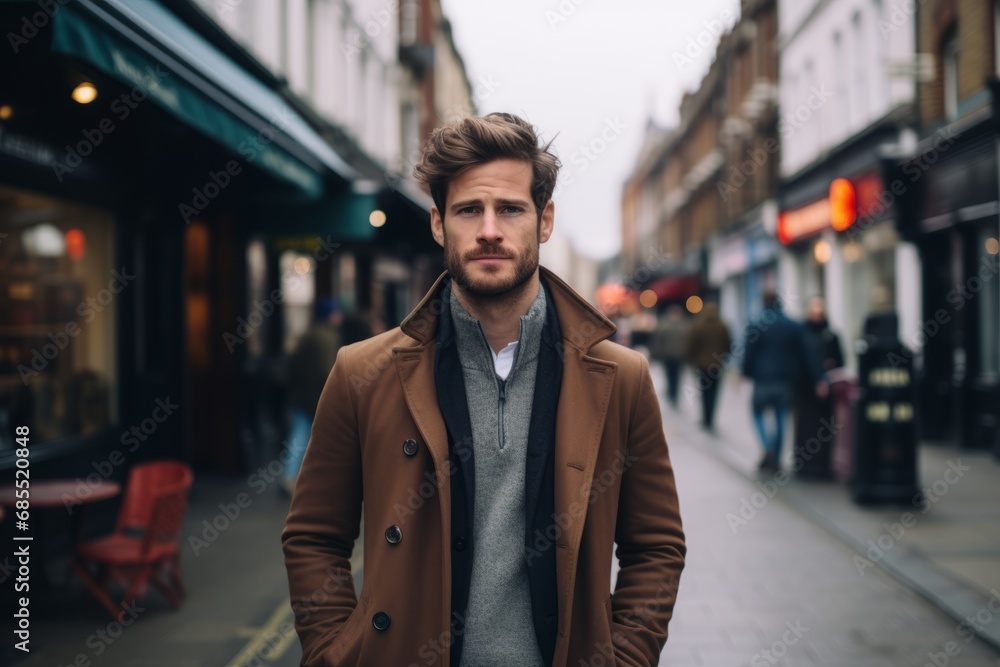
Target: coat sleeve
x=649 y=536
x=324 y=519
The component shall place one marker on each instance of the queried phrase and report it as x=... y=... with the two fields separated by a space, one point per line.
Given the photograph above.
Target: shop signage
x=22 y=147
x=838 y=210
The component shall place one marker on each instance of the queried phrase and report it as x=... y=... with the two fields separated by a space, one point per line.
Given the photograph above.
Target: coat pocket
x=345 y=643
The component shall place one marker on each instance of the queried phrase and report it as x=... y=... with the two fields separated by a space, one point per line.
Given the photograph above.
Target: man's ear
x=437 y=226
x=548 y=222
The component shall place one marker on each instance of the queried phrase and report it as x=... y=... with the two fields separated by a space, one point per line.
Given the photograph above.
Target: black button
x=410 y=447
x=393 y=534
x=457 y=623
x=381 y=621
x=459 y=543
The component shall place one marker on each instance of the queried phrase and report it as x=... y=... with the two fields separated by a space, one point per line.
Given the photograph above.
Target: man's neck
x=500 y=315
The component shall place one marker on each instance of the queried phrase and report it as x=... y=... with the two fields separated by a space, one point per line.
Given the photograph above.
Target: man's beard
x=524 y=267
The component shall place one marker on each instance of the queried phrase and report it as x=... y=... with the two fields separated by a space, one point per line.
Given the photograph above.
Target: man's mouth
x=490 y=258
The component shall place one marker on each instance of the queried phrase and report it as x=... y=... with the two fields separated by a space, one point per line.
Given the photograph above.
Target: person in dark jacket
x=811 y=411
x=667 y=347
x=776 y=356
x=308 y=369
x=706 y=348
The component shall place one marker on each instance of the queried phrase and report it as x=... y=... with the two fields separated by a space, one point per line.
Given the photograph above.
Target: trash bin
x=885 y=442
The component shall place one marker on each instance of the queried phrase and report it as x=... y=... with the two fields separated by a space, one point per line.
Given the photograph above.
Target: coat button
x=457 y=623
x=459 y=543
x=393 y=534
x=410 y=447
x=381 y=621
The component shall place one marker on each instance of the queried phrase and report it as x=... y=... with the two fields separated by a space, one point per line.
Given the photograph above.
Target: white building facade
x=339 y=56
x=846 y=95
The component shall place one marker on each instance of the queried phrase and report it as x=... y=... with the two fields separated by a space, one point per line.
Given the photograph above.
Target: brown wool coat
x=613 y=484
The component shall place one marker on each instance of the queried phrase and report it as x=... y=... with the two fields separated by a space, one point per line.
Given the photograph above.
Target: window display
x=59 y=292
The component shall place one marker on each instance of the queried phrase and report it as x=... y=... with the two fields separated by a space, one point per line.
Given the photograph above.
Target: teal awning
x=140 y=43
x=343 y=217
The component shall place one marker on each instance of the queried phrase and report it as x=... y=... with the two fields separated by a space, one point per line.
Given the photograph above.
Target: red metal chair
x=143 y=549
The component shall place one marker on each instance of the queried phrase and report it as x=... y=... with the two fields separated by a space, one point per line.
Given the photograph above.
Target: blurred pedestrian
x=667 y=347
x=355 y=328
x=308 y=368
x=643 y=325
x=500 y=377
x=812 y=410
x=706 y=348
x=776 y=356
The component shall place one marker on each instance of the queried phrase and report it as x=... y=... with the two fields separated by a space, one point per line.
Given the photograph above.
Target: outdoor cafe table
x=52 y=493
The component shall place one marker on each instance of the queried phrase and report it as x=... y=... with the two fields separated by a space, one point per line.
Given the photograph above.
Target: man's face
x=817 y=309
x=490 y=229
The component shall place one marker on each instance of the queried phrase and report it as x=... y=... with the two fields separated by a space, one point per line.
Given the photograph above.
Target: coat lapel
x=584 y=397
x=415 y=369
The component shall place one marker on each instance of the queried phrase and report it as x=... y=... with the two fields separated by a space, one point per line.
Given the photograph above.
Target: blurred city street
x=216 y=217
x=778 y=589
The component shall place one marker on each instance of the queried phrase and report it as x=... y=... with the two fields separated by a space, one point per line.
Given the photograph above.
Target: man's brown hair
x=472 y=141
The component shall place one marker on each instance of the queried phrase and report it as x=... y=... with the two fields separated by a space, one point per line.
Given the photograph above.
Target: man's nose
x=489 y=231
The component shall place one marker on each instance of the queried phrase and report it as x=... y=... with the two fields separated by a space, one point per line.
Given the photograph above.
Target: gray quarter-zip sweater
x=499 y=631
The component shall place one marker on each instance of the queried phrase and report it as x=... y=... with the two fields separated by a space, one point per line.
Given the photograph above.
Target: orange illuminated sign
x=843 y=204
x=839 y=210
x=804 y=221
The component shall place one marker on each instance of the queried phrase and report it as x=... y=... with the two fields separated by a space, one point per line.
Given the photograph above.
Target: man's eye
x=467 y=210
x=512 y=209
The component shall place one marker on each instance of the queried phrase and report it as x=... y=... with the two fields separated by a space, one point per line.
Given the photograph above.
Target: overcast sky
x=591 y=72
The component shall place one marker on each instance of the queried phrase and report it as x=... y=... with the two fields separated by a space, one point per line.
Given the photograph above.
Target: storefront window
x=298 y=287
x=59 y=291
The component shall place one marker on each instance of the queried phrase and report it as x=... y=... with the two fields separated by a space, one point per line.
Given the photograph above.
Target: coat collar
x=582 y=325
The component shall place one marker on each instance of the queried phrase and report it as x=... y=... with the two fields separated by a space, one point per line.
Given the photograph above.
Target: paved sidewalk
x=780 y=591
x=949 y=553
x=236 y=614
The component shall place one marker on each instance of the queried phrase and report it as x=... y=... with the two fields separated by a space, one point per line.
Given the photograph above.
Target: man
x=776 y=358
x=814 y=413
x=707 y=348
x=500 y=445
x=668 y=348
x=308 y=368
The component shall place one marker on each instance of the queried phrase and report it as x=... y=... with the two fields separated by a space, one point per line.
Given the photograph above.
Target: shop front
x=838 y=229
x=951 y=208
x=742 y=267
x=134 y=159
